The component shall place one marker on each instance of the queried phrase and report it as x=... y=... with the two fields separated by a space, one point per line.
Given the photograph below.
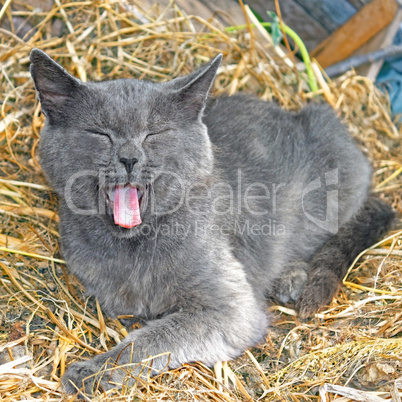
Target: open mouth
x=125 y=203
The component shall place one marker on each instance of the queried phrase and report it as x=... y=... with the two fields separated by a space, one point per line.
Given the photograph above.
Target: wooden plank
x=358 y=3
x=388 y=39
x=227 y=12
x=309 y=30
x=365 y=24
x=379 y=41
x=323 y=12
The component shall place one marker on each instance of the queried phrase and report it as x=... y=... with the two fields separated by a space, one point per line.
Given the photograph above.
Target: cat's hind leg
x=329 y=265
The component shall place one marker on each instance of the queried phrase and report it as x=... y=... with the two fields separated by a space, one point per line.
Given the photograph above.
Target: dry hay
x=46 y=321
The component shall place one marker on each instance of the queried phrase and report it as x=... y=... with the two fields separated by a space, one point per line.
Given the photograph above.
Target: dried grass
x=46 y=321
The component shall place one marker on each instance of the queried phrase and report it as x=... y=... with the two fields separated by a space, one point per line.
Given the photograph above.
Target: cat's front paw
x=85 y=378
x=319 y=291
x=289 y=286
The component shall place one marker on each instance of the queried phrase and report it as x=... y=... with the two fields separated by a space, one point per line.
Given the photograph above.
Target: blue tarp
x=390 y=78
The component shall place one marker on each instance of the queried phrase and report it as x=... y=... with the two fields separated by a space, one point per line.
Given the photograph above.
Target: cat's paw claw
x=291 y=283
x=319 y=291
x=84 y=378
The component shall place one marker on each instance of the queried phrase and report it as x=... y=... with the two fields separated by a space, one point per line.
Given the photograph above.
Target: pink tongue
x=126 y=208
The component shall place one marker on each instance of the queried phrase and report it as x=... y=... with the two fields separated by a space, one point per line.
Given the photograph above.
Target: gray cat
x=186 y=212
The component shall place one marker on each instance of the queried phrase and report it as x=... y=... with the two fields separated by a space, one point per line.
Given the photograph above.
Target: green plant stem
x=303 y=50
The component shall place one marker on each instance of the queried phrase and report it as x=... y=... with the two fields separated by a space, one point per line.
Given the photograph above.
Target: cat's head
x=123 y=150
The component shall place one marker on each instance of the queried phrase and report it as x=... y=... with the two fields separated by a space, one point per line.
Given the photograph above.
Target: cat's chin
x=125 y=233
x=119 y=231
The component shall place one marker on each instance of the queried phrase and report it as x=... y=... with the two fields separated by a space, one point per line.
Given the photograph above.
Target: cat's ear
x=54 y=84
x=193 y=89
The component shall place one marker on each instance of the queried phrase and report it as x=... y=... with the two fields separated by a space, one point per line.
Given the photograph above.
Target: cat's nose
x=129 y=163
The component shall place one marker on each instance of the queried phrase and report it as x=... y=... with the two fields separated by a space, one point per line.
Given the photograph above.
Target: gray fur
x=200 y=275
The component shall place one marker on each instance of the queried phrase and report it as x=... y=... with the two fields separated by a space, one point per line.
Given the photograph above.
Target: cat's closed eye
x=158 y=139
x=100 y=133
x=157 y=132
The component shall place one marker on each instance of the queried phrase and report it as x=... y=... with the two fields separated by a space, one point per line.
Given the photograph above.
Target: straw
x=353 y=343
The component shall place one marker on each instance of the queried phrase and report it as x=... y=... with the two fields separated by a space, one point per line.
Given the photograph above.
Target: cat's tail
x=330 y=264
